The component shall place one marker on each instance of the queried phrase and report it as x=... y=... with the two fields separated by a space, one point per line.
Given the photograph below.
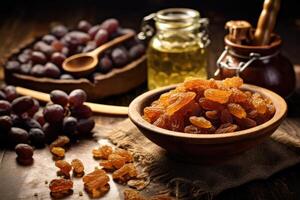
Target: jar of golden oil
x=178 y=49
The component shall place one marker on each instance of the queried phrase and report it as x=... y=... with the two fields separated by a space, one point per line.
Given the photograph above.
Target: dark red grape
x=51 y=70
x=84 y=25
x=31 y=123
x=59 y=97
x=5 y=107
x=51 y=132
x=121 y=31
x=57 y=45
x=101 y=37
x=91 y=45
x=69 y=125
x=10 y=93
x=24 y=57
x=58 y=58
x=5 y=123
x=81 y=111
x=93 y=31
x=105 y=65
x=13 y=66
x=38 y=57
x=119 y=57
x=66 y=77
x=34 y=108
x=18 y=135
x=17 y=121
x=49 y=38
x=77 y=38
x=79 y=49
x=59 y=31
x=27 y=51
x=25 y=68
x=2 y=95
x=39 y=117
x=22 y=104
x=24 y=151
x=37 y=137
x=43 y=47
x=136 y=51
x=85 y=126
x=38 y=70
x=77 y=97
x=65 y=51
x=53 y=113
x=111 y=25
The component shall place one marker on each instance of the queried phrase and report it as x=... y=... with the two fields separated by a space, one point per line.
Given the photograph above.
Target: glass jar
x=178 y=49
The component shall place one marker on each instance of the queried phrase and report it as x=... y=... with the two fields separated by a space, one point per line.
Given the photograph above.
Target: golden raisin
x=96 y=183
x=259 y=104
x=237 y=110
x=246 y=123
x=213 y=114
x=152 y=113
x=58 y=152
x=107 y=165
x=78 y=168
x=234 y=82
x=132 y=195
x=226 y=128
x=58 y=185
x=182 y=99
x=217 y=95
x=116 y=160
x=125 y=173
x=102 y=152
x=226 y=117
x=237 y=96
x=93 y=175
x=207 y=104
x=64 y=167
x=200 y=122
x=200 y=106
x=125 y=154
x=61 y=141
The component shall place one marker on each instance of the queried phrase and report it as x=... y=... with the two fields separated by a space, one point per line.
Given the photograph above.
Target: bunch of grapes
x=22 y=121
x=45 y=57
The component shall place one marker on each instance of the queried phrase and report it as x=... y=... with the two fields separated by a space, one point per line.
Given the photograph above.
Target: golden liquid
x=172 y=64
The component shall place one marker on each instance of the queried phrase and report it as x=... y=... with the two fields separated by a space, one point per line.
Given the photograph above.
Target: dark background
x=130 y=13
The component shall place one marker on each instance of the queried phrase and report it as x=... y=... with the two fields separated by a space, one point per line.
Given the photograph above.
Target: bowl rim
x=280 y=113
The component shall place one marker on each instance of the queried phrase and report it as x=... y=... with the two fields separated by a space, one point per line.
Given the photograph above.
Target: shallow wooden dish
x=206 y=147
x=117 y=81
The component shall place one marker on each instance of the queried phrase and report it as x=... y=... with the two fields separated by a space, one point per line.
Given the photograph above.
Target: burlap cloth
x=197 y=181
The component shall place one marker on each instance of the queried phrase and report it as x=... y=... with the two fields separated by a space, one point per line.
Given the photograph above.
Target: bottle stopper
x=239 y=31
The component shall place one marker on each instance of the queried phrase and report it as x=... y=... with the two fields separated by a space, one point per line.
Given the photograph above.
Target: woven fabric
x=194 y=181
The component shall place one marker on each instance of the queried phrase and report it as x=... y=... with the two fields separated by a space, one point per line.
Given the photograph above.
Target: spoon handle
x=112 y=43
x=266 y=22
x=96 y=108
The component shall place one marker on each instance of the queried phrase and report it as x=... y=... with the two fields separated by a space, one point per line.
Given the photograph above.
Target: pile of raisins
x=45 y=57
x=200 y=106
x=23 y=121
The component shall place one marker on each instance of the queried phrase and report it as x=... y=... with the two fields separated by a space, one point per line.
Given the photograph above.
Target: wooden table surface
x=24 y=21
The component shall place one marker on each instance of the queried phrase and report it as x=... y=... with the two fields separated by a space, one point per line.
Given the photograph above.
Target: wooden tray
x=117 y=81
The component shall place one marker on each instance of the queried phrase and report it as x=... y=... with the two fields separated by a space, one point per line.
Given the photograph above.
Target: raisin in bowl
x=206 y=147
x=37 y=63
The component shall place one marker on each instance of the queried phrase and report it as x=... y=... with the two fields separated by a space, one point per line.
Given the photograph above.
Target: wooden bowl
x=206 y=147
x=117 y=81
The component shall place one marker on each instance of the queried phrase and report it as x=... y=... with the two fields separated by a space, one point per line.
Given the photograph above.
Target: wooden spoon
x=84 y=63
x=97 y=108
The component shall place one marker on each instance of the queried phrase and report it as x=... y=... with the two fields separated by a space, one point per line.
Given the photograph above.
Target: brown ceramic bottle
x=259 y=65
